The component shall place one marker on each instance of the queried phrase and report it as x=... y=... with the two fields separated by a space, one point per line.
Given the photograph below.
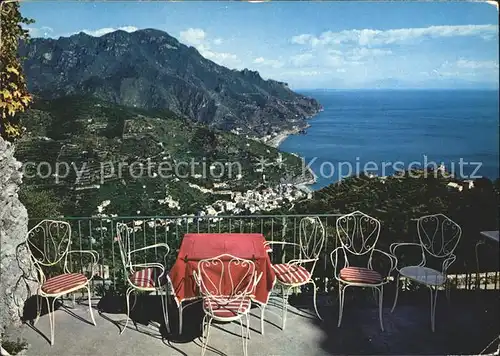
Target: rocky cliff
x=150 y=69
x=15 y=265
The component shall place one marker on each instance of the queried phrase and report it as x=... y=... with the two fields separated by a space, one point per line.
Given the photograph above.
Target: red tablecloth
x=196 y=247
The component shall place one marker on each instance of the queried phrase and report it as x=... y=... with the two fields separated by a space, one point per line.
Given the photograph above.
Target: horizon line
x=400 y=89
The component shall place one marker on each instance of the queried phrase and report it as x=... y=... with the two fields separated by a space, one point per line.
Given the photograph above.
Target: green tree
x=40 y=204
x=14 y=95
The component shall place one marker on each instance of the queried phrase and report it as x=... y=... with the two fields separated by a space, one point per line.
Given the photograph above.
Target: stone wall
x=16 y=269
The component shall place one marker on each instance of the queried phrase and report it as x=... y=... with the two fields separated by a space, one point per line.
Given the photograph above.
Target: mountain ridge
x=150 y=69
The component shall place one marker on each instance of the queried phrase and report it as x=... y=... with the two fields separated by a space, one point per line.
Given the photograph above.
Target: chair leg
x=127 y=296
x=341 y=302
x=135 y=301
x=397 y=293
x=285 y=291
x=90 y=304
x=380 y=305
x=38 y=309
x=314 y=299
x=205 y=333
x=262 y=309
x=164 y=306
x=245 y=335
x=447 y=291
x=434 y=293
x=248 y=327
x=180 y=318
x=52 y=318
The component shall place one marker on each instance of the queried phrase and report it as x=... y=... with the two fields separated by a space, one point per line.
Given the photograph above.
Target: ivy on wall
x=14 y=95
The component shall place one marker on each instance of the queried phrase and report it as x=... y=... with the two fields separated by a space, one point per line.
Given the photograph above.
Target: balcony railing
x=98 y=233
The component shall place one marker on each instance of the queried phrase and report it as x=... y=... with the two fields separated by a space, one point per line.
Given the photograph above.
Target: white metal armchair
x=146 y=277
x=438 y=236
x=299 y=272
x=227 y=284
x=49 y=246
x=358 y=234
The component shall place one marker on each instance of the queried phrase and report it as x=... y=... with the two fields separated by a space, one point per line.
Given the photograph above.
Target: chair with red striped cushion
x=299 y=272
x=48 y=244
x=291 y=274
x=226 y=284
x=151 y=277
x=145 y=277
x=64 y=282
x=224 y=307
x=358 y=234
x=360 y=275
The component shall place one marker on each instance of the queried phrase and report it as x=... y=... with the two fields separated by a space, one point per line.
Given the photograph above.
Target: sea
x=383 y=131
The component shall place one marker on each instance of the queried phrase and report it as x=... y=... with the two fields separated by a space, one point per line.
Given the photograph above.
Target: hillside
x=99 y=146
x=150 y=69
x=396 y=200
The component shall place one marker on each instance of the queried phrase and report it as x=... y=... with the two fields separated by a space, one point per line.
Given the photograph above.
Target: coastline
x=282 y=136
x=276 y=141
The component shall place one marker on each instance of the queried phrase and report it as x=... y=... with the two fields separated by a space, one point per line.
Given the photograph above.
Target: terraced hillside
x=85 y=151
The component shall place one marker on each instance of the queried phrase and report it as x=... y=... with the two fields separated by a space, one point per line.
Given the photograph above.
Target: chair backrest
x=438 y=234
x=358 y=233
x=49 y=241
x=312 y=238
x=226 y=276
x=123 y=239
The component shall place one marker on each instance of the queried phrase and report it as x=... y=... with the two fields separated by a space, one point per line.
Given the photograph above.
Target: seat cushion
x=360 y=275
x=148 y=278
x=291 y=274
x=223 y=307
x=64 y=282
x=423 y=275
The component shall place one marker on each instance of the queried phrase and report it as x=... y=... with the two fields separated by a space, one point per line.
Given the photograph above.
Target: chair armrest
x=335 y=260
x=151 y=246
x=161 y=244
x=392 y=259
x=197 y=279
x=267 y=243
x=149 y=265
x=393 y=247
x=300 y=261
x=257 y=279
x=95 y=258
x=448 y=262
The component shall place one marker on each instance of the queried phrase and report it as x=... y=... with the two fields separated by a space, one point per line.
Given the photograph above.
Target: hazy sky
x=309 y=44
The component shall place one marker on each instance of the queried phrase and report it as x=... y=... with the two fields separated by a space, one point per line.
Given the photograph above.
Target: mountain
x=151 y=69
x=85 y=151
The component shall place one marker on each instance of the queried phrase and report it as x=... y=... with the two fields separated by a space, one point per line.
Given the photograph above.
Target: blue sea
x=386 y=130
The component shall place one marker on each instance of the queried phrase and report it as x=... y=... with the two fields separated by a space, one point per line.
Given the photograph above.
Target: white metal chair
x=438 y=236
x=358 y=234
x=49 y=245
x=145 y=277
x=294 y=273
x=226 y=302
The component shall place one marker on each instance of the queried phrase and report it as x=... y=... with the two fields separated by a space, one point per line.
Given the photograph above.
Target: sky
x=309 y=45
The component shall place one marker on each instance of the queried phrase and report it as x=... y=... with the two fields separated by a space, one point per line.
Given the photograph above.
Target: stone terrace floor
x=466 y=325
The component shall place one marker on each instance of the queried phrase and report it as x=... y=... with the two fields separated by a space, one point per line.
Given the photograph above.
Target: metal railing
x=98 y=233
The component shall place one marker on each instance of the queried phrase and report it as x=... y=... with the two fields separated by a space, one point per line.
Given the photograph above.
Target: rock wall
x=16 y=269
